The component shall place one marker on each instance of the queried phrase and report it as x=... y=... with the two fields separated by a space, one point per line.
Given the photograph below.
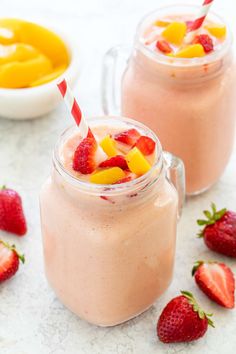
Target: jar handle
x=176 y=174
x=112 y=70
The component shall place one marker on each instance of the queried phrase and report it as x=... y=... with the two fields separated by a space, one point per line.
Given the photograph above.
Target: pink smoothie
x=109 y=250
x=189 y=103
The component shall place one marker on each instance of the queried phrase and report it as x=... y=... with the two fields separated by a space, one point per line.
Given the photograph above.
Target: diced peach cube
x=137 y=162
x=109 y=146
x=191 y=51
x=217 y=31
x=175 y=32
x=161 y=23
x=107 y=176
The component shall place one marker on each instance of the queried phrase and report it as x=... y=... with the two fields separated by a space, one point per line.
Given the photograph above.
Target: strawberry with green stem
x=219 y=230
x=9 y=260
x=182 y=320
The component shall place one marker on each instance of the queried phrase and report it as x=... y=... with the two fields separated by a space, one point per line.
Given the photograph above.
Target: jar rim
x=182 y=62
x=110 y=189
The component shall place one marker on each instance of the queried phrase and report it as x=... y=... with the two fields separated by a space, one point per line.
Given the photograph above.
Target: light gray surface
x=32 y=320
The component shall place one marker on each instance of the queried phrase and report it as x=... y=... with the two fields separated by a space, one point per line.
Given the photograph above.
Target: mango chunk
x=137 y=162
x=191 y=51
x=175 y=32
x=109 y=146
x=217 y=31
x=108 y=176
x=17 y=52
x=49 y=77
x=161 y=23
x=21 y=74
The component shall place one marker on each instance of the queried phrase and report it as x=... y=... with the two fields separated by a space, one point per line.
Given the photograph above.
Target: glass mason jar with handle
x=189 y=103
x=109 y=249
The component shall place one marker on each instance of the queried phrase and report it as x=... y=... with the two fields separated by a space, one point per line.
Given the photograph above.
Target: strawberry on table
x=182 y=320
x=128 y=137
x=9 y=261
x=12 y=217
x=146 y=145
x=84 y=157
x=116 y=161
x=216 y=280
x=219 y=231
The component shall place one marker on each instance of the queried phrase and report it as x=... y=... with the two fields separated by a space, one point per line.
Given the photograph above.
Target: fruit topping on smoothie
x=107 y=176
x=164 y=46
x=127 y=155
x=84 y=156
x=182 y=320
x=175 y=32
x=217 y=31
x=128 y=137
x=137 y=162
x=191 y=51
x=146 y=145
x=206 y=41
x=170 y=36
x=109 y=146
x=115 y=161
x=216 y=280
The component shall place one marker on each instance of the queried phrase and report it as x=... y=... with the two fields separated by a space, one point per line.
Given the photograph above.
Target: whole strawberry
x=9 y=261
x=219 y=231
x=182 y=320
x=12 y=217
x=216 y=280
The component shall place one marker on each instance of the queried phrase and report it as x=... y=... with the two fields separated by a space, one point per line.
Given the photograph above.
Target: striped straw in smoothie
x=74 y=109
x=197 y=23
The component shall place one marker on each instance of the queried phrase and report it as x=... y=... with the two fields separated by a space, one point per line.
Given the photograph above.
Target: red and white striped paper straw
x=197 y=23
x=74 y=109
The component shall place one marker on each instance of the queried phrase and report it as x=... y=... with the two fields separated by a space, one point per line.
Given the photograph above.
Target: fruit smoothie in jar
x=108 y=215
x=182 y=85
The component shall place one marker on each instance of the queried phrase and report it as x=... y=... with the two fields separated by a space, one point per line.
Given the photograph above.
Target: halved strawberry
x=205 y=41
x=84 y=156
x=216 y=280
x=9 y=260
x=146 y=145
x=116 y=161
x=128 y=137
x=164 y=46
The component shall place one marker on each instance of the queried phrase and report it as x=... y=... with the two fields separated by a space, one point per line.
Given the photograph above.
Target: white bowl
x=33 y=102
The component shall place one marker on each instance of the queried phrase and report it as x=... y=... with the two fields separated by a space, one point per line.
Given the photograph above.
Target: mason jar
x=188 y=103
x=109 y=249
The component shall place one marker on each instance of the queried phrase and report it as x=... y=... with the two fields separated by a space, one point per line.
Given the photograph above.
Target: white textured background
x=32 y=320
